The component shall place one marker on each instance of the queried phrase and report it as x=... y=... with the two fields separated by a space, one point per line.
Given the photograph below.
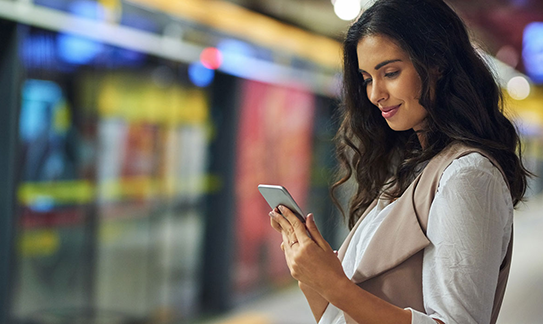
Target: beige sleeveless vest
x=391 y=267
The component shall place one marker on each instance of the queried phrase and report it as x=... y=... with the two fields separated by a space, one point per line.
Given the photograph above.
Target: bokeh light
x=211 y=58
x=347 y=9
x=200 y=75
x=532 y=51
x=518 y=88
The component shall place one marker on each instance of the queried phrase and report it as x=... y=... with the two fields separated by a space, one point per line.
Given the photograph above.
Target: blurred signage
x=133 y=98
x=41 y=242
x=274 y=146
x=61 y=192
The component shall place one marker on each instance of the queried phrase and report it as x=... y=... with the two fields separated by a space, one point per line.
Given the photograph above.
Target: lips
x=388 y=112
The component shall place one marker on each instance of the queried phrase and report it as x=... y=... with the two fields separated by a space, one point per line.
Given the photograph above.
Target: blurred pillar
x=219 y=233
x=9 y=110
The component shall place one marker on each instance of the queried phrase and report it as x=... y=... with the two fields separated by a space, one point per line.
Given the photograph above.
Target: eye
x=392 y=74
x=367 y=81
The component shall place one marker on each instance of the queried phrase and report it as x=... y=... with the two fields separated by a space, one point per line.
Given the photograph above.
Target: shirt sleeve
x=469 y=227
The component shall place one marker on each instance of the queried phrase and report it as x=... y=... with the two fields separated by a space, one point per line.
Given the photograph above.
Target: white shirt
x=469 y=227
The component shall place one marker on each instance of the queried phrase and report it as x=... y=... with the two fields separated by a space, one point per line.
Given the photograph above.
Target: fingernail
x=271 y=213
x=281 y=207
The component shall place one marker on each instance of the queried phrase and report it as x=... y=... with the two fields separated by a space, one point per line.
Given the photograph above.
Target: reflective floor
x=523 y=301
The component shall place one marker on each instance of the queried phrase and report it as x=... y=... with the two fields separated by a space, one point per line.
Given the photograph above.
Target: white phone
x=279 y=195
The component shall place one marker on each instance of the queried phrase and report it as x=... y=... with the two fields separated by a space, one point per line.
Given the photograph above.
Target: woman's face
x=392 y=83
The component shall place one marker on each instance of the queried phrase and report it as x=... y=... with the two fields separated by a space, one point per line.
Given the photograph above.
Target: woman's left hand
x=310 y=259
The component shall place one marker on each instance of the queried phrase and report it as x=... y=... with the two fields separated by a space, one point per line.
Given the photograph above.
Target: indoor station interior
x=134 y=134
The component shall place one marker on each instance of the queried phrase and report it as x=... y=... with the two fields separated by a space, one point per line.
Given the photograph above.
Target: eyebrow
x=380 y=65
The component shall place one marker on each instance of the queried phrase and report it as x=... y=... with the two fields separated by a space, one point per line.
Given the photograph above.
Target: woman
x=438 y=172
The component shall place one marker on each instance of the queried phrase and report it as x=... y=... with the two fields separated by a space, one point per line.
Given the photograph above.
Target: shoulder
x=475 y=173
x=471 y=164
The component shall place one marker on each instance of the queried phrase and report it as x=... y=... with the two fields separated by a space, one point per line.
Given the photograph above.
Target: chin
x=398 y=128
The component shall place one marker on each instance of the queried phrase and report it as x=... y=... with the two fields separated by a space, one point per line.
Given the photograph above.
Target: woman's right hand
x=316 y=302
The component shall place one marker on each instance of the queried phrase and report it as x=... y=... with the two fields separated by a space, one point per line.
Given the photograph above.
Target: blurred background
x=134 y=133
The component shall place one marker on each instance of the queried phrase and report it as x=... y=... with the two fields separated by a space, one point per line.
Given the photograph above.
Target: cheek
x=411 y=86
x=417 y=88
x=423 y=112
x=407 y=90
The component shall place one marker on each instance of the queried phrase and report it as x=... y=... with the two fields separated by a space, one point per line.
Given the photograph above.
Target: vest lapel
x=399 y=237
x=343 y=248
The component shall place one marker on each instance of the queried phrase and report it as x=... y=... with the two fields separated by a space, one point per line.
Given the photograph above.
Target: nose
x=376 y=92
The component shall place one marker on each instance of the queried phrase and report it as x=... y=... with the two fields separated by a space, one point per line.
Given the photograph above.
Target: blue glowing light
x=43 y=204
x=234 y=46
x=235 y=54
x=199 y=75
x=39 y=96
x=80 y=50
x=77 y=50
x=532 y=51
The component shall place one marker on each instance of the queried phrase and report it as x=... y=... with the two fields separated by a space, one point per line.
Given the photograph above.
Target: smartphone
x=279 y=195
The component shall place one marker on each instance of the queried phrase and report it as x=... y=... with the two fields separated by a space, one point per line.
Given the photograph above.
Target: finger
x=297 y=225
x=275 y=225
x=286 y=228
x=283 y=246
x=288 y=241
x=315 y=233
x=282 y=222
x=299 y=217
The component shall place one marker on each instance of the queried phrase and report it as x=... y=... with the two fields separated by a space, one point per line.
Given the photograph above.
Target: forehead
x=375 y=49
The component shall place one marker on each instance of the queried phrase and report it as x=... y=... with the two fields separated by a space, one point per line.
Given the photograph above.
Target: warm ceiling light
x=347 y=9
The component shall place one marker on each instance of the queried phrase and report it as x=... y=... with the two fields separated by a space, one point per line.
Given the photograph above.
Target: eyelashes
x=389 y=75
x=392 y=74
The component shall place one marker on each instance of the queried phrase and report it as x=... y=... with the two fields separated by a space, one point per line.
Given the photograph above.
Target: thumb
x=314 y=232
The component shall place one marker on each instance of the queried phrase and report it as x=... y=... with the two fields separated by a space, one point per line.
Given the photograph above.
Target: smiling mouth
x=389 y=111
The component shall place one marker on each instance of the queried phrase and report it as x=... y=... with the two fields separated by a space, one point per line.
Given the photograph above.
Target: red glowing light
x=211 y=58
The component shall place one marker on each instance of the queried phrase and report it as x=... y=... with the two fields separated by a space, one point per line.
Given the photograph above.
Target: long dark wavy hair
x=459 y=91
